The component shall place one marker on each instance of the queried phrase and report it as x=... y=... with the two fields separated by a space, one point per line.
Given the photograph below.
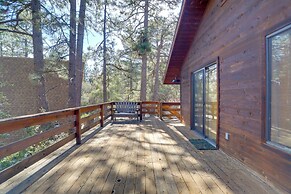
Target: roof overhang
x=190 y=18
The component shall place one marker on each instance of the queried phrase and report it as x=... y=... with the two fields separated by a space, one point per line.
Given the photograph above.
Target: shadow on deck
x=137 y=157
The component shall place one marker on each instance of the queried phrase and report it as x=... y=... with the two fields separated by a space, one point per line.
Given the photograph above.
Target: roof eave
x=189 y=20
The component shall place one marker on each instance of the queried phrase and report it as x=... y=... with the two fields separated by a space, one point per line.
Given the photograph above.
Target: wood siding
x=235 y=32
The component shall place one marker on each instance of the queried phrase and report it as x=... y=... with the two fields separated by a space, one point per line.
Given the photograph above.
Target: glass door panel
x=199 y=101
x=211 y=102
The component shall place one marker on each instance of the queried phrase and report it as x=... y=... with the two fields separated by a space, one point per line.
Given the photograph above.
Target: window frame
x=268 y=89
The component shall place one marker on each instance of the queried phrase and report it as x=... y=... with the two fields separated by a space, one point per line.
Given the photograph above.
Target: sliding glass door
x=205 y=102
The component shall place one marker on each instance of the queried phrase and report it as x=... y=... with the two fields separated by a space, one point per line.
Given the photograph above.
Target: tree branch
x=12 y=20
x=55 y=71
x=15 y=31
x=50 y=89
x=58 y=22
x=118 y=68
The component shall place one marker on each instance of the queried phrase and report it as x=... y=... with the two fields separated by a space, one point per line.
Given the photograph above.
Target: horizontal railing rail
x=51 y=130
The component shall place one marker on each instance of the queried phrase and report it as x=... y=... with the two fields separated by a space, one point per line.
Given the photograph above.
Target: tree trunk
x=1 y=45
x=157 y=69
x=104 y=56
x=143 y=89
x=79 y=56
x=72 y=55
x=130 y=92
x=38 y=55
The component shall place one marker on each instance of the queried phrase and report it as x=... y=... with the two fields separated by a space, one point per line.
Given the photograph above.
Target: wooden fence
x=63 y=126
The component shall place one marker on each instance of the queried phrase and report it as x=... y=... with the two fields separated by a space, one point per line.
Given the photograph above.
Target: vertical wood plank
x=161 y=110
x=78 y=127
x=140 y=104
x=218 y=103
x=111 y=105
x=102 y=115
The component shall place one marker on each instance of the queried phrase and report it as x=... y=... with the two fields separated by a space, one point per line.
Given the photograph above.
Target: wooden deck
x=137 y=157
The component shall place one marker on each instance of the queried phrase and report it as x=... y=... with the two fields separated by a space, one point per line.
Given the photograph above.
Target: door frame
x=192 y=96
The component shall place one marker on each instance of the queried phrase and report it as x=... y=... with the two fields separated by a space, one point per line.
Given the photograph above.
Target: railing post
x=140 y=105
x=158 y=109
x=102 y=115
x=78 y=126
x=161 y=110
x=180 y=113
x=112 y=110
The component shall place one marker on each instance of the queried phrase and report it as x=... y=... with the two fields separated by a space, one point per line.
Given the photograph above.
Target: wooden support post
x=78 y=126
x=180 y=112
x=140 y=106
x=102 y=115
x=161 y=110
x=112 y=110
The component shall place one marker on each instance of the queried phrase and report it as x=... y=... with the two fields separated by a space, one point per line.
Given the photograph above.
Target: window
x=279 y=88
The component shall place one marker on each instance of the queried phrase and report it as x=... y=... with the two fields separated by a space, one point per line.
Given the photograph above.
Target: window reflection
x=280 y=88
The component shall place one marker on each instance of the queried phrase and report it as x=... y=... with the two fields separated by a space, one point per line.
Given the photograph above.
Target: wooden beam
x=90 y=117
x=31 y=120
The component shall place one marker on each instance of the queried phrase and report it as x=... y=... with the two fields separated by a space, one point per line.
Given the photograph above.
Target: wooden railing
x=151 y=108
x=55 y=129
x=162 y=109
x=170 y=110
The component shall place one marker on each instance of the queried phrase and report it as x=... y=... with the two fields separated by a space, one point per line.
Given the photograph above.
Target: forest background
x=116 y=50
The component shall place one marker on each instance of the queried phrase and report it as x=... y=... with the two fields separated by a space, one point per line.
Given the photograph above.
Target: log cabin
x=232 y=61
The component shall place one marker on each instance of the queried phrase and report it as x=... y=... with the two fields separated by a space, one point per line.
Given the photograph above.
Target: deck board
x=151 y=156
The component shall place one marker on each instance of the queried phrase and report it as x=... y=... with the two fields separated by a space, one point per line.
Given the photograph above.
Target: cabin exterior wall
x=236 y=33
